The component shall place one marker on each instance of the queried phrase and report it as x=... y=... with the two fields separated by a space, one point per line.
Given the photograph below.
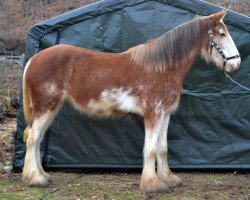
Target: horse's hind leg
x=163 y=171
x=33 y=172
x=49 y=118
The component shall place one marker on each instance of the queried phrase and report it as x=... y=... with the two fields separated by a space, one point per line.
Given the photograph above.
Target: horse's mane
x=169 y=50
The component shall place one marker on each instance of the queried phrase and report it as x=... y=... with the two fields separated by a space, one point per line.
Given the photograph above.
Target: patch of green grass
x=5 y=101
x=131 y=195
x=166 y=196
x=15 y=189
x=219 y=177
x=8 y=196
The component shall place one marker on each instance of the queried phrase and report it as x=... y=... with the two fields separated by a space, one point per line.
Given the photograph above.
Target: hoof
x=153 y=184
x=47 y=176
x=36 y=180
x=170 y=180
x=39 y=183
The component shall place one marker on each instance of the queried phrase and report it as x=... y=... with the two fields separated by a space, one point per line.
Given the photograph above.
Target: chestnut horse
x=145 y=80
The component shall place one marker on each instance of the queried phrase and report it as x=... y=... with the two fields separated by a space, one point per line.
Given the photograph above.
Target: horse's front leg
x=163 y=172
x=149 y=179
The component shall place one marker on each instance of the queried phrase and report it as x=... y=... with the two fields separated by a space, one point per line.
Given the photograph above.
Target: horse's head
x=221 y=49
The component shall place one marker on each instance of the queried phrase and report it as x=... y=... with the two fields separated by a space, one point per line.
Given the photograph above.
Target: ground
x=113 y=185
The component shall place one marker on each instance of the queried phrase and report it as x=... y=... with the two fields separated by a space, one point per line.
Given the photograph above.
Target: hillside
x=17 y=16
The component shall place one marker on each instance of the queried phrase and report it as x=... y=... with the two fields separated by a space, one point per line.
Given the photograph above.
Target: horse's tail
x=27 y=105
x=27 y=109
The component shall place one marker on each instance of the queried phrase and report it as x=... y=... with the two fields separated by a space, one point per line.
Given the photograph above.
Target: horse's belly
x=101 y=107
x=114 y=102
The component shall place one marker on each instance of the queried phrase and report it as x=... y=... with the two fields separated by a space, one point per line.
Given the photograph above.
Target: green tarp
x=211 y=128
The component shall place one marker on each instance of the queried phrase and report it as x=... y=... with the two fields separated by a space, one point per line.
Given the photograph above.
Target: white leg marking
x=162 y=149
x=163 y=171
x=149 y=179
x=33 y=171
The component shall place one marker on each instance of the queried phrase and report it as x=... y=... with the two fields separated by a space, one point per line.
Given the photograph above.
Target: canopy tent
x=211 y=128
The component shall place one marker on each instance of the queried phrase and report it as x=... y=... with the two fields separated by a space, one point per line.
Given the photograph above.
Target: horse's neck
x=189 y=47
x=184 y=65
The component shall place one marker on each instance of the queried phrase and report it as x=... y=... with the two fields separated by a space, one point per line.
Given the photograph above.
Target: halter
x=213 y=44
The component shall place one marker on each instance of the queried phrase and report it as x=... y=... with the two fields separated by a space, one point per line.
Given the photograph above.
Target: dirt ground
x=7 y=130
x=113 y=185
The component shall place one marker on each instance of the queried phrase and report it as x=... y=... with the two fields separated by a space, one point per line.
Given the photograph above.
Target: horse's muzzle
x=232 y=65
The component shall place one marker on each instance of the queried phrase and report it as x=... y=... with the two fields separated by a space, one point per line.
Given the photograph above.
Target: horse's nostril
x=231 y=68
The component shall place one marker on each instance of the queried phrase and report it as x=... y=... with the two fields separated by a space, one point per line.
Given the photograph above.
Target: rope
x=60 y=187
x=248 y=89
x=242 y=86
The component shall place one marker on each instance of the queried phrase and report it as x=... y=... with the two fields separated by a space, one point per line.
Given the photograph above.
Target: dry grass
x=10 y=82
x=10 y=78
x=100 y=186
x=12 y=38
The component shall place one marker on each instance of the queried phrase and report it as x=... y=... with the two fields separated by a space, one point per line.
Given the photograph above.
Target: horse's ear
x=218 y=17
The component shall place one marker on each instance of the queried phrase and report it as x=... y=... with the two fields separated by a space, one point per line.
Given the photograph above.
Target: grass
x=5 y=101
x=14 y=189
x=221 y=177
x=125 y=186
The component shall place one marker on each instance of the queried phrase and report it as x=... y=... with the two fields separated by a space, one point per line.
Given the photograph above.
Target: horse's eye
x=222 y=34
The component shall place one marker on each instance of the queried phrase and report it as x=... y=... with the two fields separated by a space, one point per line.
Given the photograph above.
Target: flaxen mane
x=170 y=49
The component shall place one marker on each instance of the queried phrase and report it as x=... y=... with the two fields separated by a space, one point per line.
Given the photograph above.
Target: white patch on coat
x=141 y=88
x=101 y=107
x=51 y=88
x=123 y=100
x=116 y=98
x=158 y=108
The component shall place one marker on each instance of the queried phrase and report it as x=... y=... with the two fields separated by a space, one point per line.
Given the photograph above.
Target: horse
x=145 y=80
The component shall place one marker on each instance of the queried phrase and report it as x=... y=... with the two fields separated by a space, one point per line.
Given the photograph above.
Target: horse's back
x=59 y=62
